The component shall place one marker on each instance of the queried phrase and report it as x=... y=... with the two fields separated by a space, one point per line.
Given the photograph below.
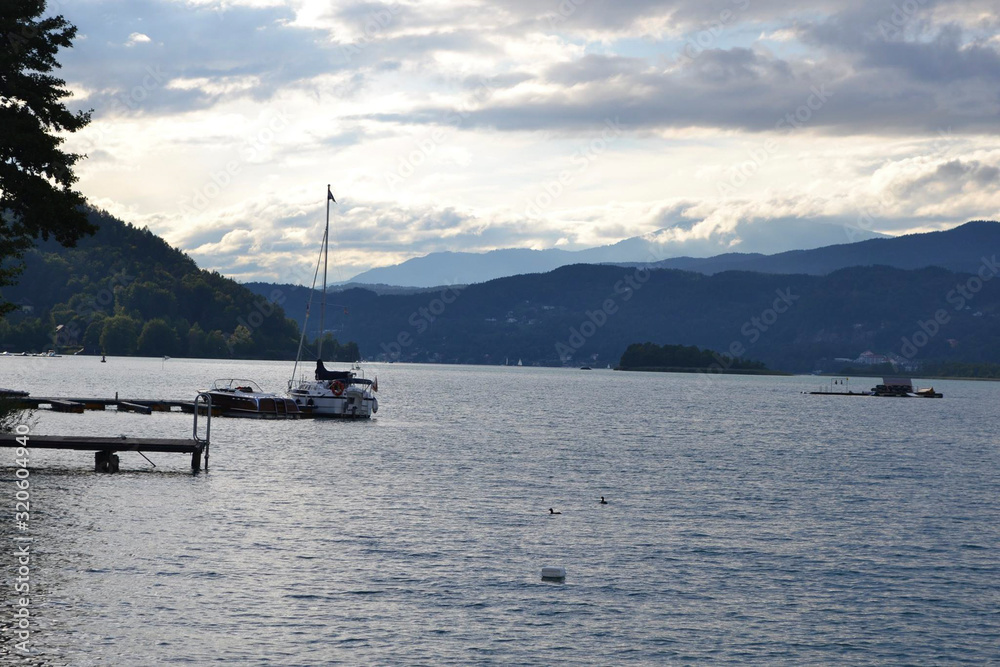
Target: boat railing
x=234 y=384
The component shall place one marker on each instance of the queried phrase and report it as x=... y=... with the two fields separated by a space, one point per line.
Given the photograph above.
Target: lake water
x=746 y=522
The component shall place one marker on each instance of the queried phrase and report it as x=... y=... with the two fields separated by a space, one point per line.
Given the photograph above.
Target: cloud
x=944 y=75
x=750 y=90
x=939 y=187
x=193 y=43
x=137 y=38
x=269 y=239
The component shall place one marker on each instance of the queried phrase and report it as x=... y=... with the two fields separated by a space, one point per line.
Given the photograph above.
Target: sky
x=470 y=125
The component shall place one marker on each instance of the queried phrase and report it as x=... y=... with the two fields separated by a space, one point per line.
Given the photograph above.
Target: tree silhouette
x=36 y=176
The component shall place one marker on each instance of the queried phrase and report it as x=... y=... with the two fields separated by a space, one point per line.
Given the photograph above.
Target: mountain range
x=887 y=296
x=925 y=297
x=959 y=249
x=591 y=313
x=462 y=268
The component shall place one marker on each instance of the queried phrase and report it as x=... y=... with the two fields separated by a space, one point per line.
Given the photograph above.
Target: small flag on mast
x=329 y=195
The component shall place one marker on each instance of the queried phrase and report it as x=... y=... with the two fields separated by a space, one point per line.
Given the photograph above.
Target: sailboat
x=342 y=394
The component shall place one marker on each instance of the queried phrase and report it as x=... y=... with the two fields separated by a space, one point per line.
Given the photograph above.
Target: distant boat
x=903 y=387
x=13 y=393
x=891 y=387
x=585 y=368
x=519 y=363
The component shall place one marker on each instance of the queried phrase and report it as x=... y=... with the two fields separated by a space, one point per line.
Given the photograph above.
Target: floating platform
x=839 y=386
x=890 y=387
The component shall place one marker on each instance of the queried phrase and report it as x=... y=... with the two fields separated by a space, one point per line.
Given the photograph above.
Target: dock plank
x=66 y=406
x=110 y=444
x=127 y=406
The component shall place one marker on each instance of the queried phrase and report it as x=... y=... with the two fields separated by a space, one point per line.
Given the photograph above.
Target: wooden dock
x=106 y=448
x=78 y=405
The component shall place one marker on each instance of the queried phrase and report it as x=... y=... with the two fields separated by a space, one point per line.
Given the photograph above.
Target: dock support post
x=105 y=461
x=202 y=444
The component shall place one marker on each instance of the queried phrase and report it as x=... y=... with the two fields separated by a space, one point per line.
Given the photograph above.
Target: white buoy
x=553 y=573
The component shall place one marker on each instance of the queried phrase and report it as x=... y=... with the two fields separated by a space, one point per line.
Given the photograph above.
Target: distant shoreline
x=707 y=371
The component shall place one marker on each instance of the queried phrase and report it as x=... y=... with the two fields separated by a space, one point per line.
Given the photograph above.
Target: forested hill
x=126 y=291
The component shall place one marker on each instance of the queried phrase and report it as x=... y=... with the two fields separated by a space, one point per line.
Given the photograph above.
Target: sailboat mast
x=312 y=292
x=326 y=252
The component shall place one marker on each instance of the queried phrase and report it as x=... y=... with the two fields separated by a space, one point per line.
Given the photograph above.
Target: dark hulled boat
x=237 y=397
